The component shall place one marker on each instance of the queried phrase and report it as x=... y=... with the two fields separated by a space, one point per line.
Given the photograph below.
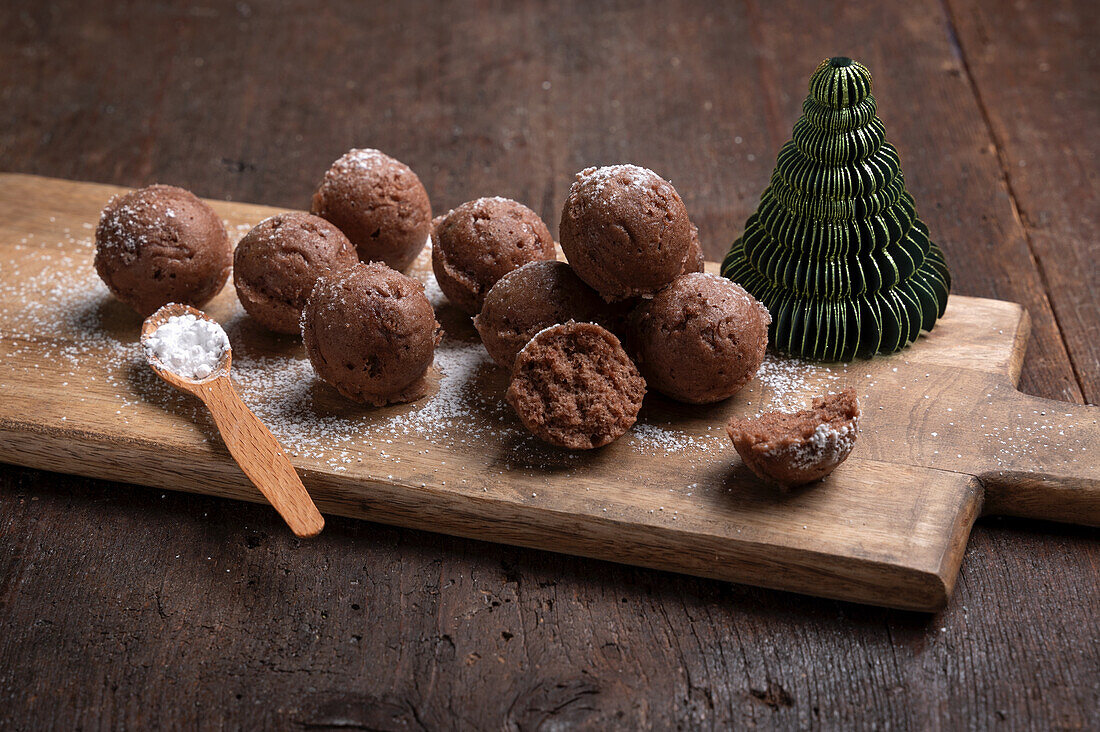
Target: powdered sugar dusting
x=828 y=445
x=612 y=182
x=654 y=438
x=359 y=161
x=61 y=323
x=282 y=391
x=634 y=175
x=124 y=224
x=788 y=384
x=66 y=298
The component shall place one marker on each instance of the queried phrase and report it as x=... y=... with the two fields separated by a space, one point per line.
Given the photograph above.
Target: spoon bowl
x=159 y=318
x=251 y=444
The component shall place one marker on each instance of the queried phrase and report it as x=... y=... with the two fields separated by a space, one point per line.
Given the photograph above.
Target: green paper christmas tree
x=835 y=250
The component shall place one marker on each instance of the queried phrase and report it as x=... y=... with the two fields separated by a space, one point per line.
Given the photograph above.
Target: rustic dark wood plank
x=118 y=623
x=101 y=624
x=1036 y=73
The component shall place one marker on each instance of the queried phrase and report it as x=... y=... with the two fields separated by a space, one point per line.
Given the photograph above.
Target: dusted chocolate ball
x=699 y=340
x=479 y=242
x=370 y=332
x=379 y=204
x=161 y=244
x=696 y=261
x=532 y=298
x=625 y=231
x=792 y=449
x=277 y=263
x=574 y=386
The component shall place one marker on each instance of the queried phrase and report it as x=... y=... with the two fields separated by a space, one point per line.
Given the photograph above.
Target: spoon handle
x=261 y=457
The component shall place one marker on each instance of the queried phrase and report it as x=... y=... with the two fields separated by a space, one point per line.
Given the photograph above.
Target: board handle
x=261 y=457
x=1044 y=461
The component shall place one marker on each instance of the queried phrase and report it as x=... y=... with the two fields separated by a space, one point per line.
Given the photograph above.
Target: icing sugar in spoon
x=192 y=353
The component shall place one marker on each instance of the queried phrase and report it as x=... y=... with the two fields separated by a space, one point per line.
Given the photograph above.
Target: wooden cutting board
x=946 y=435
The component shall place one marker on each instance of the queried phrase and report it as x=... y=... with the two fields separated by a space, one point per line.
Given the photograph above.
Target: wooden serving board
x=946 y=435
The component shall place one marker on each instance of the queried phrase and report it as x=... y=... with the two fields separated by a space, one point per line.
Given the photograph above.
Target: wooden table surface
x=125 y=607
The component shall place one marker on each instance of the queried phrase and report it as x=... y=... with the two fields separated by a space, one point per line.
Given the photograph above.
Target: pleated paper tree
x=835 y=250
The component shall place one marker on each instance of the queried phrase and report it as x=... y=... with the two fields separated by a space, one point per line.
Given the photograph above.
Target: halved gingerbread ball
x=574 y=386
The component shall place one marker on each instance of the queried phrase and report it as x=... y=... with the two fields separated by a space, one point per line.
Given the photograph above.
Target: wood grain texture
x=1034 y=74
x=939 y=420
x=392 y=628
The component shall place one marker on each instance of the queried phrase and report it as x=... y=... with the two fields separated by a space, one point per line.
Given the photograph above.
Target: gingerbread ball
x=531 y=298
x=699 y=340
x=380 y=205
x=371 y=333
x=625 y=231
x=161 y=244
x=277 y=263
x=479 y=242
x=696 y=261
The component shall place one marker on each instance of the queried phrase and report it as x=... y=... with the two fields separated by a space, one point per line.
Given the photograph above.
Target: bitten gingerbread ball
x=277 y=263
x=574 y=386
x=625 y=231
x=371 y=333
x=791 y=449
x=479 y=242
x=380 y=205
x=699 y=340
x=161 y=244
x=529 y=299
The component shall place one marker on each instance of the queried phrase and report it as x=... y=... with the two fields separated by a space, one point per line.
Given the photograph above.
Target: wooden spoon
x=251 y=444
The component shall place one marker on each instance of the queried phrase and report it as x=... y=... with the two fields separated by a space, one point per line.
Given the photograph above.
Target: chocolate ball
x=277 y=263
x=161 y=244
x=379 y=204
x=625 y=231
x=699 y=340
x=696 y=261
x=529 y=299
x=574 y=386
x=791 y=449
x=479 y=242
x=371 y=333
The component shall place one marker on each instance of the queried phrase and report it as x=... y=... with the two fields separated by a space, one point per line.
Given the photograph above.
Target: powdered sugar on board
x=667 y=439
x=788 y=384
x=60 y=322
x=311 y=419
x=65 y=301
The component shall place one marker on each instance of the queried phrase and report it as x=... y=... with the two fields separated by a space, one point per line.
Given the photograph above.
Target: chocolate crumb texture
x=574 y=386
